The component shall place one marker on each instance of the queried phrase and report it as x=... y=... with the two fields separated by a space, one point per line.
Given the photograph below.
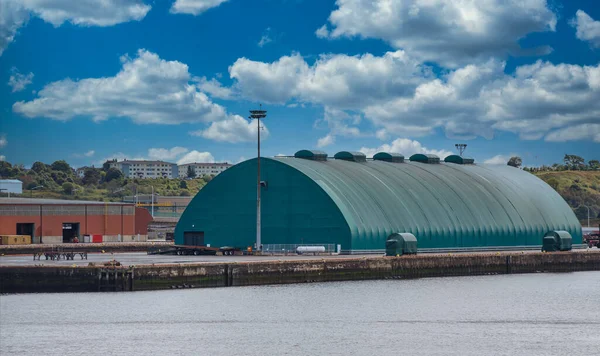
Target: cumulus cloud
x=196 y=156
x=15 y=13
x=325 y=141
x=194 y=7
x=575 y=133
x=497 y=160
x=166 y=154
x=214 y=88
x=399 y=96
x=448 y=32
x=406 y=147
x=18 y=81
x=3 y=141
x=12 y=17
x=234 y=129
x=339 y=81
x=2 y=158
x=587 y=29
x=181 y=155
x=148 y=89
x=89 y=153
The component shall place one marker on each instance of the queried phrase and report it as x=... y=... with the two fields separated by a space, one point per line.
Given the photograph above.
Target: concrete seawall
x=26 y=279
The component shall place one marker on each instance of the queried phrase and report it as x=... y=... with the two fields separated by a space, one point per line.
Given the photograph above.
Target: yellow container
x=15 y=240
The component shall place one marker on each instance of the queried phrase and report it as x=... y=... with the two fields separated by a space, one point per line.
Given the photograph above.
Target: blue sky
x=174 y=80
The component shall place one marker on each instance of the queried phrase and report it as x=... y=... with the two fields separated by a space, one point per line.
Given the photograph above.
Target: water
x=533 y=314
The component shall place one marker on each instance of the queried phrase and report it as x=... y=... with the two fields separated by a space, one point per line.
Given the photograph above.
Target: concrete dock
x=135 y=272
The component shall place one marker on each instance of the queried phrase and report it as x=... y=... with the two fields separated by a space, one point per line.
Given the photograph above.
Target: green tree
x=594 y=164
x=574 y=162
x=112 y=174
x=5 y=169
x=39 y=167
x=91 y=176
x=183 y=184
x=191 y=173
x=515 y=161
x=68 y=187
x=61 y=166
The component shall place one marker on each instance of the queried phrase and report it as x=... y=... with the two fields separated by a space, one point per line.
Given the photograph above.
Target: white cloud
x=3 y=141
x=181 y=155
x=195 y=156
x=234 y=129
x=214 y=88
x=18 y=81
x=340 y=81
x=15 y=13
x=166 y=154
x=497 y=160
x=89 y=153
x=322 y=32
x=587 y=29
x=398 y=96
x=148 y=89
x=194 y=7
x=575 y=133
x=406 y=147
x=266 y=38
x=325 y=141
x=12 y=17
x=450 y=32
x=2 y=158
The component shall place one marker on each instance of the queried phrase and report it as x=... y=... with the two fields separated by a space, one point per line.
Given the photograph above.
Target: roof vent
x=459 y=160
x=389 y=157
x=424 y=158
x=312 y=155
x=351 y=156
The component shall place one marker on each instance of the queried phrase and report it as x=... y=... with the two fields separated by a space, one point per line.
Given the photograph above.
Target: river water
x=531 y=314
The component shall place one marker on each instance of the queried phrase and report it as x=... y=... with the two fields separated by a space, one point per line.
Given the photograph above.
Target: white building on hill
x=201 y=169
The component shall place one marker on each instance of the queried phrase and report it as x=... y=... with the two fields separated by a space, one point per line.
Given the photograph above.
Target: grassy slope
x=577 y=188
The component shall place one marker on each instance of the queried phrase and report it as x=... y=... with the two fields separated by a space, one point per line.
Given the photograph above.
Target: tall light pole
x=258 y=114
x=461 y=147
x=152 y=204
x=588 y=208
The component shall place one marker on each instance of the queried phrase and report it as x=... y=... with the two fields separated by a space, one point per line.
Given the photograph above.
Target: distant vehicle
x=592 y=238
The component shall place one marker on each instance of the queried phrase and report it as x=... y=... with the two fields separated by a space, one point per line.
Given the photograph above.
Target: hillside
x=578 y=188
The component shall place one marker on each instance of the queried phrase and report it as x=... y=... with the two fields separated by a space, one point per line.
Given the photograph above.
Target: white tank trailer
x=310 y=249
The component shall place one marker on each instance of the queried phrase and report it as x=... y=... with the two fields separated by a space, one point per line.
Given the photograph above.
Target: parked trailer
x=182 y=250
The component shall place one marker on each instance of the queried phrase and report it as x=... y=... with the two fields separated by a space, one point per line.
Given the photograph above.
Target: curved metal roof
x=442 y=204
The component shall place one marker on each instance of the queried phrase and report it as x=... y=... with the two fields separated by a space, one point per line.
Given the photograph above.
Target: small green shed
x=557 y=241
x=399 y=244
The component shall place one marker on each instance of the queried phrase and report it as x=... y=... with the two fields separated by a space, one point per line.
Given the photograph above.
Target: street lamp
x=152 y=204
x=258 y=114
x=588 y=209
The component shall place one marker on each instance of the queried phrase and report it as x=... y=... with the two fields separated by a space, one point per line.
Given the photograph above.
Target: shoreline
x=41 y=279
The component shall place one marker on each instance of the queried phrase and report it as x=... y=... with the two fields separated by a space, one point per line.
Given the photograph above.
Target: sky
x=91 y=80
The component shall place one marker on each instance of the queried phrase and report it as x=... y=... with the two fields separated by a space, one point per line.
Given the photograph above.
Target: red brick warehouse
x=58 y=221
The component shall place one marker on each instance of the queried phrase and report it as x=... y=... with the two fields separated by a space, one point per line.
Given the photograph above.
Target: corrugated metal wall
x=359 y=204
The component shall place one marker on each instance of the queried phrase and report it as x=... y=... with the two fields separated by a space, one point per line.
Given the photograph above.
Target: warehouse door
x=70 y=231
x=193 y=238
x=25 y=229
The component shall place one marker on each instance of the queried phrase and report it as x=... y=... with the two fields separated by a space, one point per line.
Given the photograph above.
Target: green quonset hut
x=358 y=203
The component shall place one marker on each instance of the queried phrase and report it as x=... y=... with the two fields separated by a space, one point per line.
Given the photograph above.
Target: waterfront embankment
x=93 y=278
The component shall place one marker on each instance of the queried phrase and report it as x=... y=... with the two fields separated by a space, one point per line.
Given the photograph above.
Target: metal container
x=15 y=240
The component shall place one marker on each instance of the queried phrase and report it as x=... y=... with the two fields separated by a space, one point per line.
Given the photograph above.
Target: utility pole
x=461 y=147
x=588 y=209
x=258 y=114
